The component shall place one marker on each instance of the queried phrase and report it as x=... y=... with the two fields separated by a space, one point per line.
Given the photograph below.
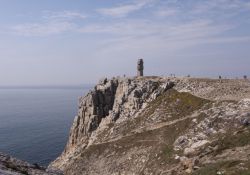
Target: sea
x=35 y=121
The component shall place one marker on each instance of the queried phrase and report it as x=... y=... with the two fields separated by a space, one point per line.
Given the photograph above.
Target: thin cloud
x=123 y=10
x=238 y=39
x=144 y=28
x=219 y=6
x=52 y=23
x=41 y=29
x=166 y=12
x=64 y=15
x=152 y=37
x=173 y=27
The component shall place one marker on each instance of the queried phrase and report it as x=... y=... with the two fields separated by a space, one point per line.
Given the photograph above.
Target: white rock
x=199 y=144
x=177 y=157
x=189 y=151
x=194 y=120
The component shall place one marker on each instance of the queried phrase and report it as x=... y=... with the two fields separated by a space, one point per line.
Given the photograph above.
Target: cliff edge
x=160 y=125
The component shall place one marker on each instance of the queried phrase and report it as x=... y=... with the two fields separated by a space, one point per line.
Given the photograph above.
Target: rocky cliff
x=111 y=101
x=157 y=125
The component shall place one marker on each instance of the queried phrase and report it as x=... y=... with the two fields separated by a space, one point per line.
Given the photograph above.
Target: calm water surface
x=35 y=123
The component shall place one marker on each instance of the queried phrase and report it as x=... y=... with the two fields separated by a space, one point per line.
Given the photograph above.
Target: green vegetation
x=176 y=104
x=169 y=155
x=231 y=140
x=225 y=168
x=212 y=169
x=168 y=151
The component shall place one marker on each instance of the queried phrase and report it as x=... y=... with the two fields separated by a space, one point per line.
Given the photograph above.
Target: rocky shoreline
x=12 y=166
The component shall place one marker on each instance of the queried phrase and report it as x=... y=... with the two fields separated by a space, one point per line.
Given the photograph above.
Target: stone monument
x=140 y=68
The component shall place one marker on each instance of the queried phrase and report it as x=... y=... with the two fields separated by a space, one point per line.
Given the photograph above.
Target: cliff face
x=111 y=101
x=154 y=125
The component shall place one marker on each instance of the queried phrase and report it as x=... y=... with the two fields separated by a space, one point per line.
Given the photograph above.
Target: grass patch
x=168 y=152
x=231 y=140
x=177 y=104
x=225 y=167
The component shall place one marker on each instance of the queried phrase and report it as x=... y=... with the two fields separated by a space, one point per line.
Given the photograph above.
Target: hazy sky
x=69 y=42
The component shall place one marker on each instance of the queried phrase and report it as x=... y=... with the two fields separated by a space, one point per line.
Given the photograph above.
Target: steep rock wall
x=110 y=101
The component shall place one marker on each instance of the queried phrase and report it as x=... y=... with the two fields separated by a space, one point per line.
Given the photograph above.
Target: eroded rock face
x=156 y=125
x=111 y=101
x=92 y=109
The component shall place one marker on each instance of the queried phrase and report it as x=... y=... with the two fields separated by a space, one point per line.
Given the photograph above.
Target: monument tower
x=140 y=68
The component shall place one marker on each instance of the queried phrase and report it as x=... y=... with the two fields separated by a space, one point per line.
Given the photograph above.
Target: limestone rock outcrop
x=110 y=101
x=160 y=125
